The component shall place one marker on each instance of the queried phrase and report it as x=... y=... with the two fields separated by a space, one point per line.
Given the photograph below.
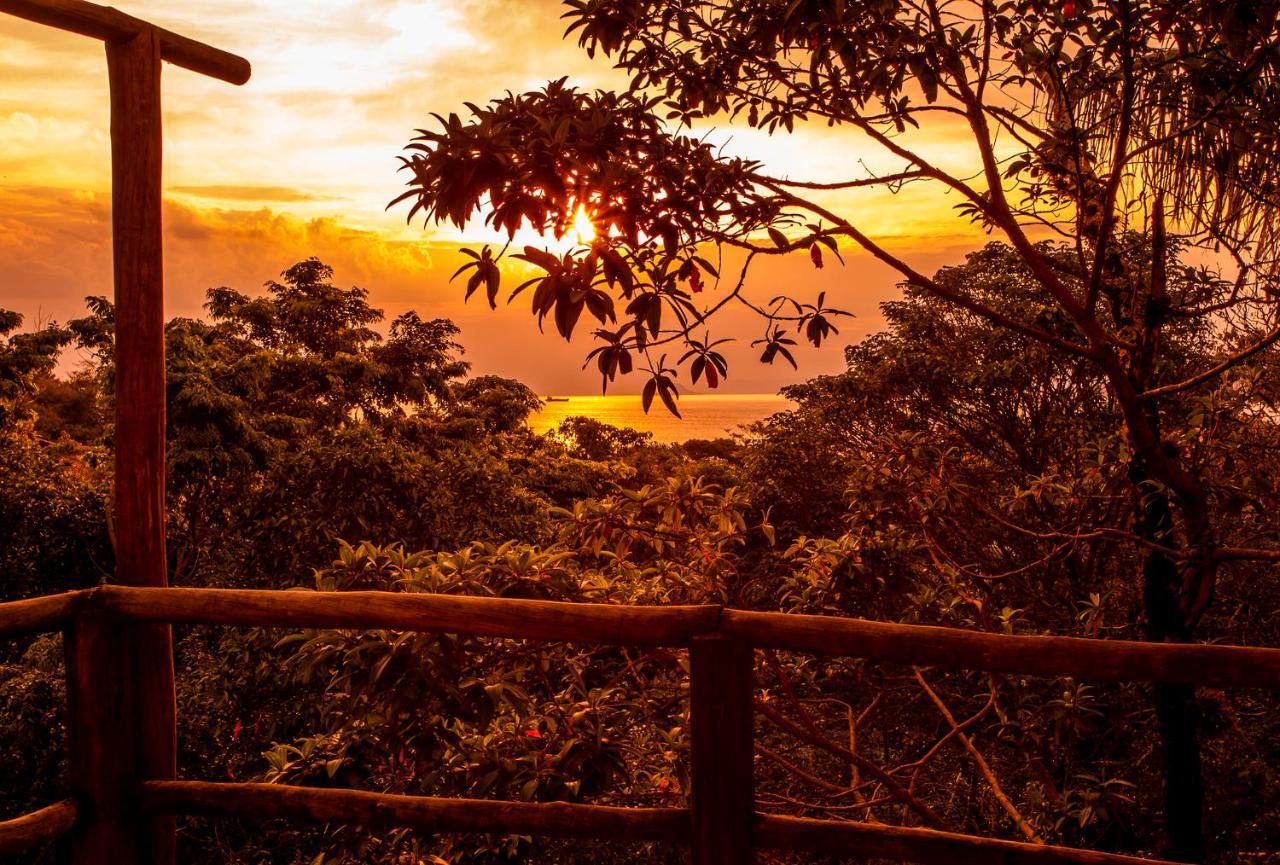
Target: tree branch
x=981 y=762
x=1213 y=372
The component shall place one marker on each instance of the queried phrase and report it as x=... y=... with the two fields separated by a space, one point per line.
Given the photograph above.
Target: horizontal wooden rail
x=31 y=830
x=1109 y=660
x=40 y=615
x=926 y=846
x=612 y=624
x=616 y=624
x=953 y=648
x=112 y=25
x=1100 y=660
x=559 y=819
x=423 y=813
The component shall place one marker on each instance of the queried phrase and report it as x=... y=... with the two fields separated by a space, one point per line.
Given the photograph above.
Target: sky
x=301 y=161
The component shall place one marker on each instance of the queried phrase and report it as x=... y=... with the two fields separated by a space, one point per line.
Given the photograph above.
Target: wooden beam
x=40 y=615
x=926 y=846
x=39 y=827
x=560 y=819
x=953 y=648
x=612 y=624
x=136 y=148
x=423 y=813
x=1102 y=660
x=102 y=741
x=721 y=751
x=112 y=25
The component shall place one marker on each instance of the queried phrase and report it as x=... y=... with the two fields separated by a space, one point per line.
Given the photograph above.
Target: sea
x=705 y=416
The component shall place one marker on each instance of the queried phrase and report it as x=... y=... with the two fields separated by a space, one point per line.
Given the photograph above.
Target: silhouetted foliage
x=24 y=358
x=1103 y=125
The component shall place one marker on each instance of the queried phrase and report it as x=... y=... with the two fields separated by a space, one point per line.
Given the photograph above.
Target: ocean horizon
x=705 y=415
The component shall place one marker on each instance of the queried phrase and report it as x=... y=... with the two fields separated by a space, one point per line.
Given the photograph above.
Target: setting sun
x=579 y=231
x=583 y=230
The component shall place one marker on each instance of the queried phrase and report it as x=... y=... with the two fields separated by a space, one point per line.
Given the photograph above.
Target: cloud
x=273 y=194
x=301 y=161
x=338 y=88
x=55 y=249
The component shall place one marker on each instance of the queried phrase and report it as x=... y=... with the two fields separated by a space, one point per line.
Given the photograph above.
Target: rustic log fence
x=116 y=801
x=134 y=51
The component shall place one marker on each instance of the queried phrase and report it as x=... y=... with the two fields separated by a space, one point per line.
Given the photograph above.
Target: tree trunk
x=1176 y=714
x=1178 y=719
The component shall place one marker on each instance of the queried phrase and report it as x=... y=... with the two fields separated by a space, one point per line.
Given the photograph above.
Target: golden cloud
x=55 y=249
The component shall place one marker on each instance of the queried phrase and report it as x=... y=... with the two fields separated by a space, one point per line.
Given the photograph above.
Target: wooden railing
x=135 y=50
x=100 y=823
x=112 y=25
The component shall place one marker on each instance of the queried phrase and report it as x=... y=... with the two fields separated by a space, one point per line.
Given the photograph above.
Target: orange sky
x=301 y=161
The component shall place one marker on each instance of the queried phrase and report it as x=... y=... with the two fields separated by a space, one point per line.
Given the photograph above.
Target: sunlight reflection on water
x=706 y=416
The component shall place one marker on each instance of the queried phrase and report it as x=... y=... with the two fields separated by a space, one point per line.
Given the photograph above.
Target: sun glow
x=578 y=231
x=583 y=230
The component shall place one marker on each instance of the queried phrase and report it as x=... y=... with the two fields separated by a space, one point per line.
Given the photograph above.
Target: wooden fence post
x=102 y=740
x=134 y=72
x=722 y=762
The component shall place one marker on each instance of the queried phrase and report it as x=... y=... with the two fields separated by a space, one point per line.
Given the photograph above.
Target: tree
x=24 y=359
x=294 y=419
x=53 y=508
x=327 y=364
x=270 y=376
x=69 y=407
x=440 y=714
x=959 y=474
x=591 y=439
x=490 y=405
x=1101 y=126
x=52 y=536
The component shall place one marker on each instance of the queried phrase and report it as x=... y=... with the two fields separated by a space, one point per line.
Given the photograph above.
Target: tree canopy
x=1109 y=139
